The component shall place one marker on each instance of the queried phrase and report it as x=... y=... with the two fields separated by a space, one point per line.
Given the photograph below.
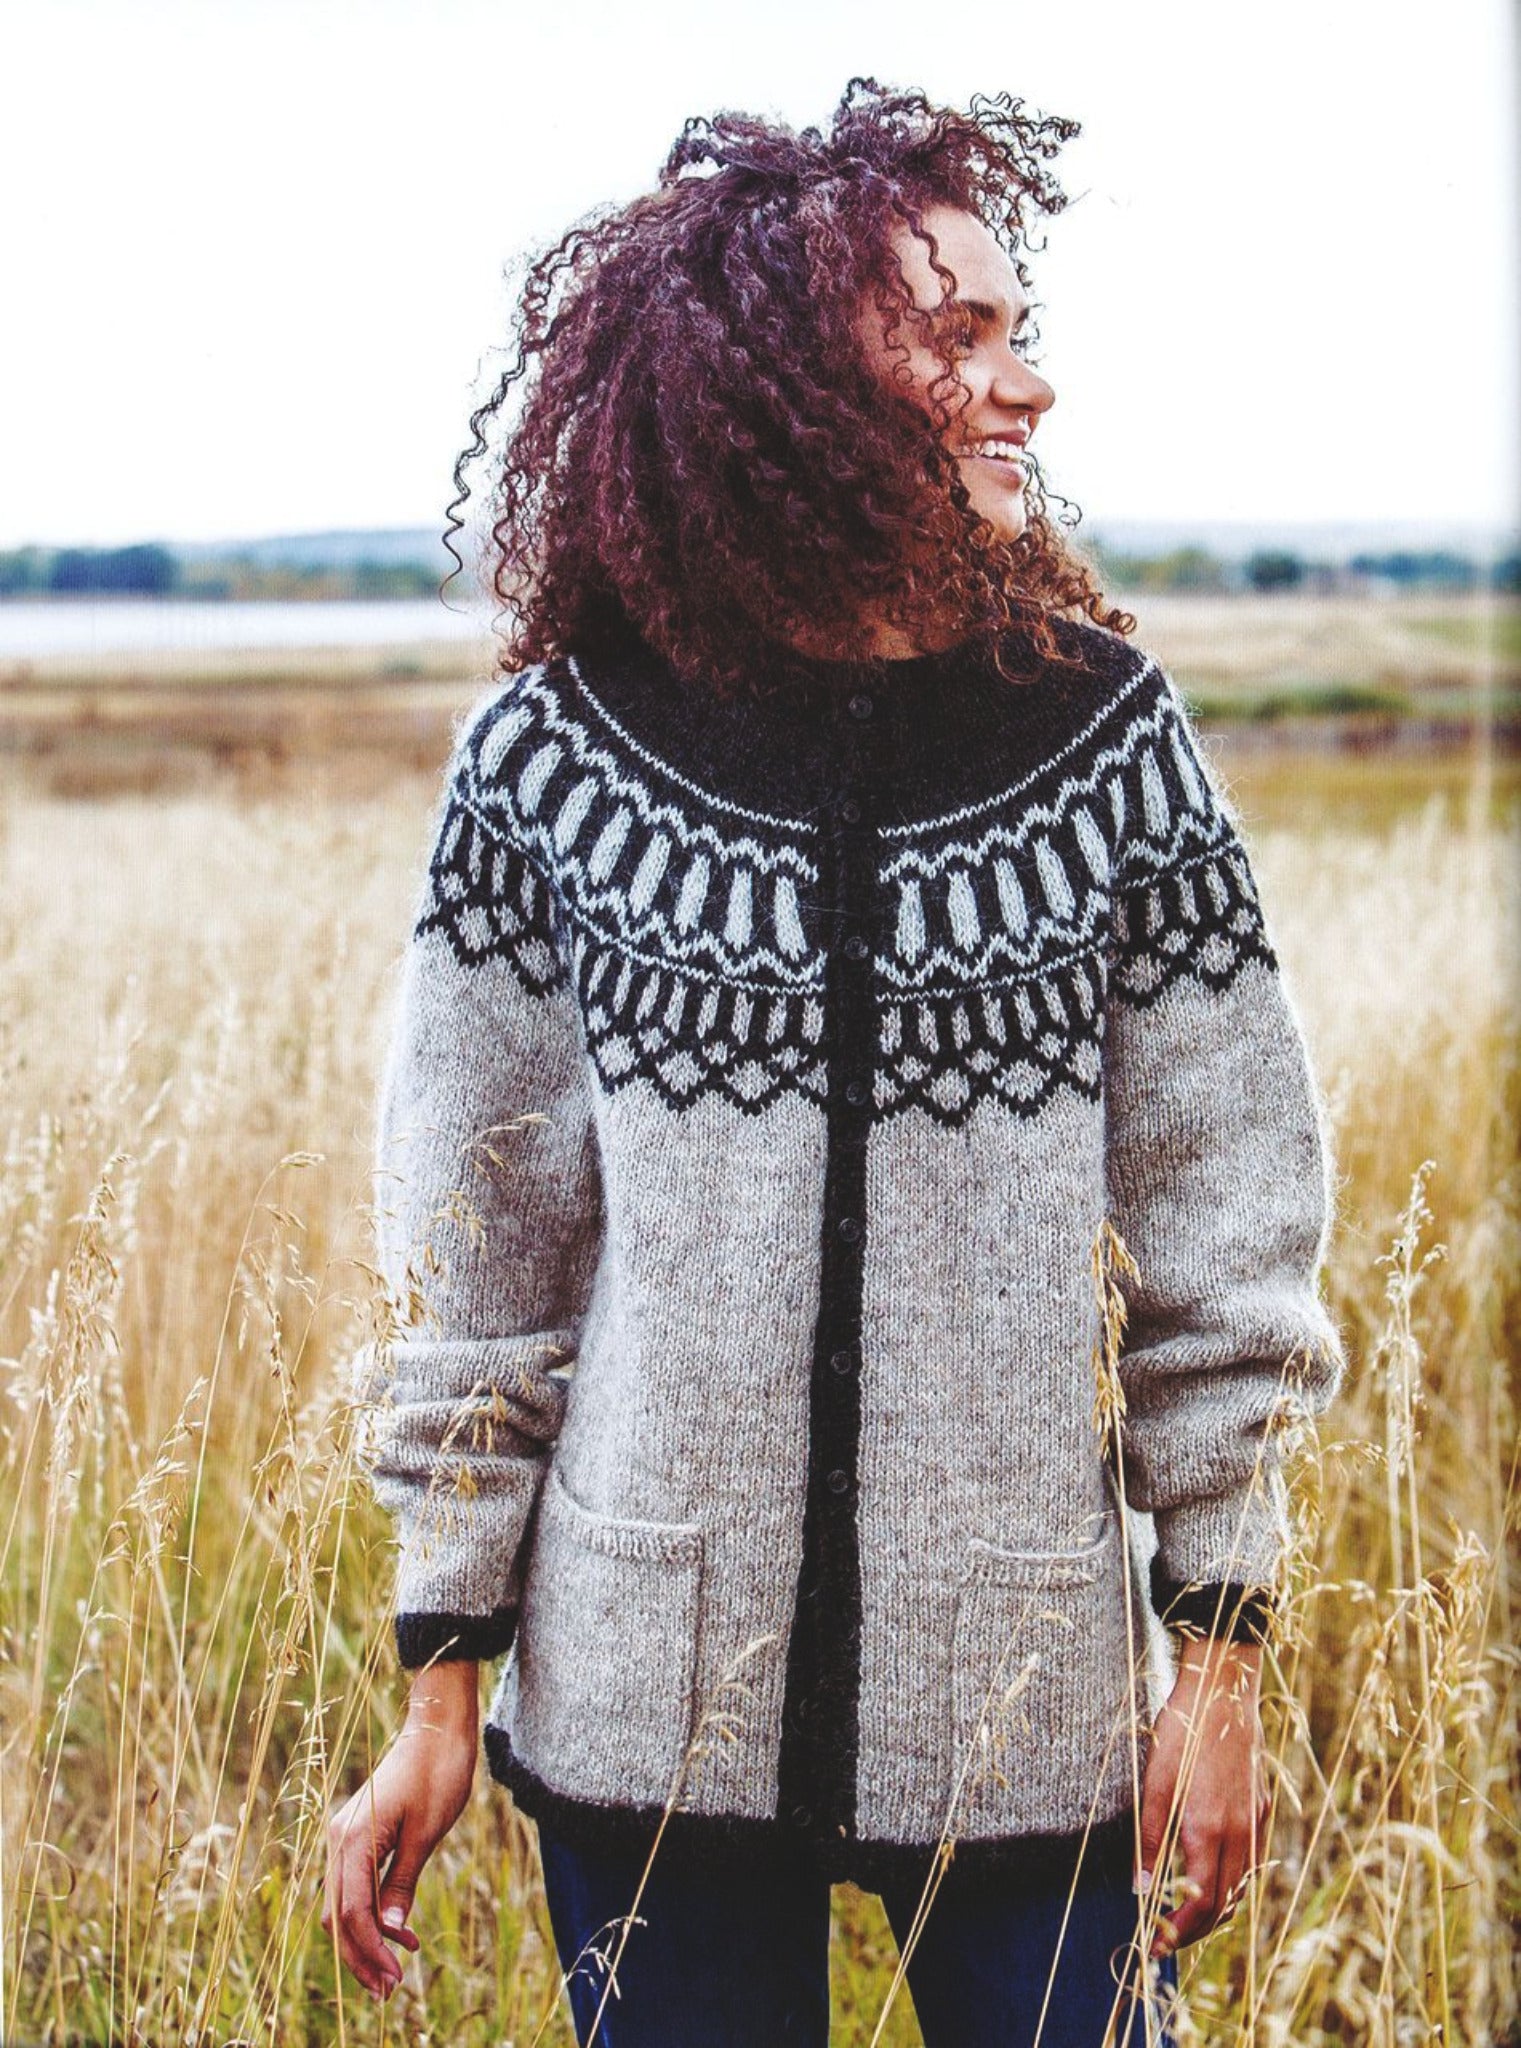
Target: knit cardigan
x=763 y=1068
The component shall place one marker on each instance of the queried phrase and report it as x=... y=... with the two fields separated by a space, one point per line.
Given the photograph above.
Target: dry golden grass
x=1416 y=642
x=194 y=1661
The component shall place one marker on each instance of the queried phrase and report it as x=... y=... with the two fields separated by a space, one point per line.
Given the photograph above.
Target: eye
x=958 y=331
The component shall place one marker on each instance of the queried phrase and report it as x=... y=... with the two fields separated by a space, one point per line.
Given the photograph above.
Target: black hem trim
x=1232 y=1612
x=450 y=1638
x=706 y=1840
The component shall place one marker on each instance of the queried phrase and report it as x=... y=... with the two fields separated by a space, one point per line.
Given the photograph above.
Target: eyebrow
x=985 y=311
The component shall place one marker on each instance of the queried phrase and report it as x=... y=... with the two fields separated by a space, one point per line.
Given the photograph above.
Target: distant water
x=125 y=625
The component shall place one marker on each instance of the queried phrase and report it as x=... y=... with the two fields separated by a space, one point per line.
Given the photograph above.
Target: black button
x=850 y=811
x=850 y=1229
x=838 y=1481
x=802 y=1710
x=802 y=1817
x=861 y=705
x=843 y=1361
x=857 y=1092
x=856 y=947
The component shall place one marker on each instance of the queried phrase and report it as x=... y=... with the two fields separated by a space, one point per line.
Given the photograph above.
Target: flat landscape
x=1337 y=672
x=207 y=871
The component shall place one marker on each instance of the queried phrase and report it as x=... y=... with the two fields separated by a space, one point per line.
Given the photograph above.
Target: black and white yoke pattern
x=698 y=933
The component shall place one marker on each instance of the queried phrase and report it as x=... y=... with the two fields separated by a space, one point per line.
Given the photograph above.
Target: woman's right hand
x=380 y=1839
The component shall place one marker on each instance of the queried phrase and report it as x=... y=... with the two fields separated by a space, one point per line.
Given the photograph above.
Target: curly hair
x=703 y=461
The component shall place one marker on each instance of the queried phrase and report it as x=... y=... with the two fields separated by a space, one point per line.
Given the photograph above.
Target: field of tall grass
x=195 y=1663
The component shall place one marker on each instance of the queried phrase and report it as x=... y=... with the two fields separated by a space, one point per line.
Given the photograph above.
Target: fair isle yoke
x=696 y=931
x=790 y=1051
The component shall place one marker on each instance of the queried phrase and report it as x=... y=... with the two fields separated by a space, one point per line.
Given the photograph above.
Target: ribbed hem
x=445 y=1638
x=1232 y=1613
x=1106 y=1853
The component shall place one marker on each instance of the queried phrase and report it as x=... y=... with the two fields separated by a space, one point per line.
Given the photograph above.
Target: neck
x=874 y=638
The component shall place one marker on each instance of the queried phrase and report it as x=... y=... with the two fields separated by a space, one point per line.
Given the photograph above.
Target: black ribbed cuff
x=448 y=1638
x=1230 y=1612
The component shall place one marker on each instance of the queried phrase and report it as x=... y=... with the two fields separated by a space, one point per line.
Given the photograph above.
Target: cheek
x=917 y=382
x=923 y=379
x=1003 y=508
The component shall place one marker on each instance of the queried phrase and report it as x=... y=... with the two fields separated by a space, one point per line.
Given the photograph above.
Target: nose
x=1021 y=388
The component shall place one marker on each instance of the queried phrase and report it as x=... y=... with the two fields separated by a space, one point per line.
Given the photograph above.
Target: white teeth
x=1003 y=451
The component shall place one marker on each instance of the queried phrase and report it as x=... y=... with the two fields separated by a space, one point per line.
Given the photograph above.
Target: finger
x=332 y=1883
x=1200 y=1888
x=360 y=1944
x=1156 y=1805
x=393 y=1925
x=399 y=1889
x=1241 y=1856
x=1234 y=1882
x=1238 y=1866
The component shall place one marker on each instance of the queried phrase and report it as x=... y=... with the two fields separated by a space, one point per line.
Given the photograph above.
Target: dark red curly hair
x=704 y=462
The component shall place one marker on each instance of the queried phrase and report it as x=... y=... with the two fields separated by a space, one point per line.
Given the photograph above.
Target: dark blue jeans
x=736 y=1955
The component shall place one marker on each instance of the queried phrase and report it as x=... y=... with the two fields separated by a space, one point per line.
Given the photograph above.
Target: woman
x=833 y=939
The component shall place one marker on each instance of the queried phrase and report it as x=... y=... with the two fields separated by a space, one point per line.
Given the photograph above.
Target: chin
x=1007 y=520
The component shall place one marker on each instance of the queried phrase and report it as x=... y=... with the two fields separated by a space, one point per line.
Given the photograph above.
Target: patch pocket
x=1040 y=1698
x=607 y=1652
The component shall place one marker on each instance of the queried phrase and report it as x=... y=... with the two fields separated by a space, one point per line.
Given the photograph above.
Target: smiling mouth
x=1007 y=454
x=1015 y=468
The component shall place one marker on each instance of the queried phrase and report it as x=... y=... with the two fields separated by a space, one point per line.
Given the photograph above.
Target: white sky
x=253 y=248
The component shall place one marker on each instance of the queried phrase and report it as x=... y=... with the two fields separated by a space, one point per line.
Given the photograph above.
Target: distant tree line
x=1450 y=571
x=1196 y=569
x=150 y=569
x=147 y=570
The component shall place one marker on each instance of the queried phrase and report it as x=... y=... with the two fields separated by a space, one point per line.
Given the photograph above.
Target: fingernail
x=393 y=1917
x=1142 y=1884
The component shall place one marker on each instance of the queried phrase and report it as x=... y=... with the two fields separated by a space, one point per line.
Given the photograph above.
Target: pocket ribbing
x=1042 y=1696
x=607 y=1652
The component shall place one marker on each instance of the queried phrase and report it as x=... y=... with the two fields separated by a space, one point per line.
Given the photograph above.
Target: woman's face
x=980 y=317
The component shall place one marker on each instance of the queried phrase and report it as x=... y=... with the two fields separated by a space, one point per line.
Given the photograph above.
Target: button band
x=816 y=1764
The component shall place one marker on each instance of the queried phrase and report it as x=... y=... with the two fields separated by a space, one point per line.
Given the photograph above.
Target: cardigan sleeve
x=1219 y=1182
x=488 y=1225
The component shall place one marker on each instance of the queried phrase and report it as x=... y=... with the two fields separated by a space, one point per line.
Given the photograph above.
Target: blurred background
x=262 y=258
x=258 y=264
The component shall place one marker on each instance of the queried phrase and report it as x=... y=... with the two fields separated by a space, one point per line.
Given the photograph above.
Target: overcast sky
x=254 y=248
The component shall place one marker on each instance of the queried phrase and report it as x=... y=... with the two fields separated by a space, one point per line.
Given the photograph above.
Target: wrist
x=445 y=1697
x=1219 y=1664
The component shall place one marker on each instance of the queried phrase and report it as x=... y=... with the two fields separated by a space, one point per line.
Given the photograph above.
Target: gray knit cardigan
x=762 y=1071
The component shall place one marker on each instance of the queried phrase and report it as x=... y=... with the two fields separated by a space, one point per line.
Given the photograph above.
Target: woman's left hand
x=1206 y=1763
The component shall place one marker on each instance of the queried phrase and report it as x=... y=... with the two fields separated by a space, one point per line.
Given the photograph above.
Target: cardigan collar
x=926 y=733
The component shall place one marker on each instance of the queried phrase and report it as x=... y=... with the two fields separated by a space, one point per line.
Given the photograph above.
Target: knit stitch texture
x=760 y=1075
